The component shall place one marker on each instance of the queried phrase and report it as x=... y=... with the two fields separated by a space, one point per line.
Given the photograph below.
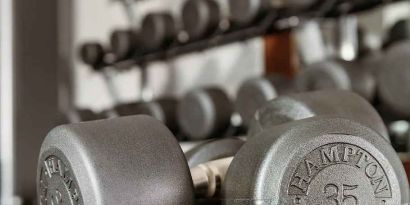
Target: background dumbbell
x=330 y=146
x=201 y=18
x=393 y=82
x=205 y=113
x=256 y=92
x=319 y=103
x=158 y=30
x=124 y=43
x=337 y=75
x=92 y=54
x=162 y=109
x=245 y=12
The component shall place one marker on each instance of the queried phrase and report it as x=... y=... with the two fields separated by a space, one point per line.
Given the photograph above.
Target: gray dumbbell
x=124 y=43
x=201 y=18
x=245 y=12
x=205 y=113
x=158 y=30
x=393 y=81
x=83 y=115
x=92 y=54
x=299 y=106
x=337 y=75
x=163 y=109
x=306 y=161
x=256 y=92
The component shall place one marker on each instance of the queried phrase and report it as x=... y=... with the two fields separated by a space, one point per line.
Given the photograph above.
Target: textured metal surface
x=321 y=160
x=255 y=93
x=319 y=103
x=394 y=78
x=119 y=161
x=200 y=17
x=212 y=150
x=205 y=113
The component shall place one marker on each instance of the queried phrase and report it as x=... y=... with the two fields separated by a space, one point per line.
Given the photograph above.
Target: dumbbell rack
x=270 y=24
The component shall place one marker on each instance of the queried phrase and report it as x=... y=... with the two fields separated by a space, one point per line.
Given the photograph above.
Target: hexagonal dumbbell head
x=205 y=113
x=336 y=103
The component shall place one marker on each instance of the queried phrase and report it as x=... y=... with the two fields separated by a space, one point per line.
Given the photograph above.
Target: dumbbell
x=163 y=109
x=393 y=80
x=299 y=106
x=124 y=43
x=82 y=115
x=341 y=75
x=158 y=30
x=205 y=113
x=92 y=53
x=305 y=161
x=256 y=92
x=201 y=18
x=245 y=12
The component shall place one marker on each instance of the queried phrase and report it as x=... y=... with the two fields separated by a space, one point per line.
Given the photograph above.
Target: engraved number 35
x=338 y=194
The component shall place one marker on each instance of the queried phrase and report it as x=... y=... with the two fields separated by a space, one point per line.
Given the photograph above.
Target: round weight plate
x=252 y=95
x=323 y=76
x=213 y=150
x=119 y=161
x=244 y=12
x=123 y=43
x=319 y=103
x=394 y=79
x=92 y=54
x=205 y=113
x=158 y=30
x=316 y=161
x=200 y=17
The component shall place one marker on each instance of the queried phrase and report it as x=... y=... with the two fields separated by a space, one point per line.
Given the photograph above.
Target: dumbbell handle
x=208 y=177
